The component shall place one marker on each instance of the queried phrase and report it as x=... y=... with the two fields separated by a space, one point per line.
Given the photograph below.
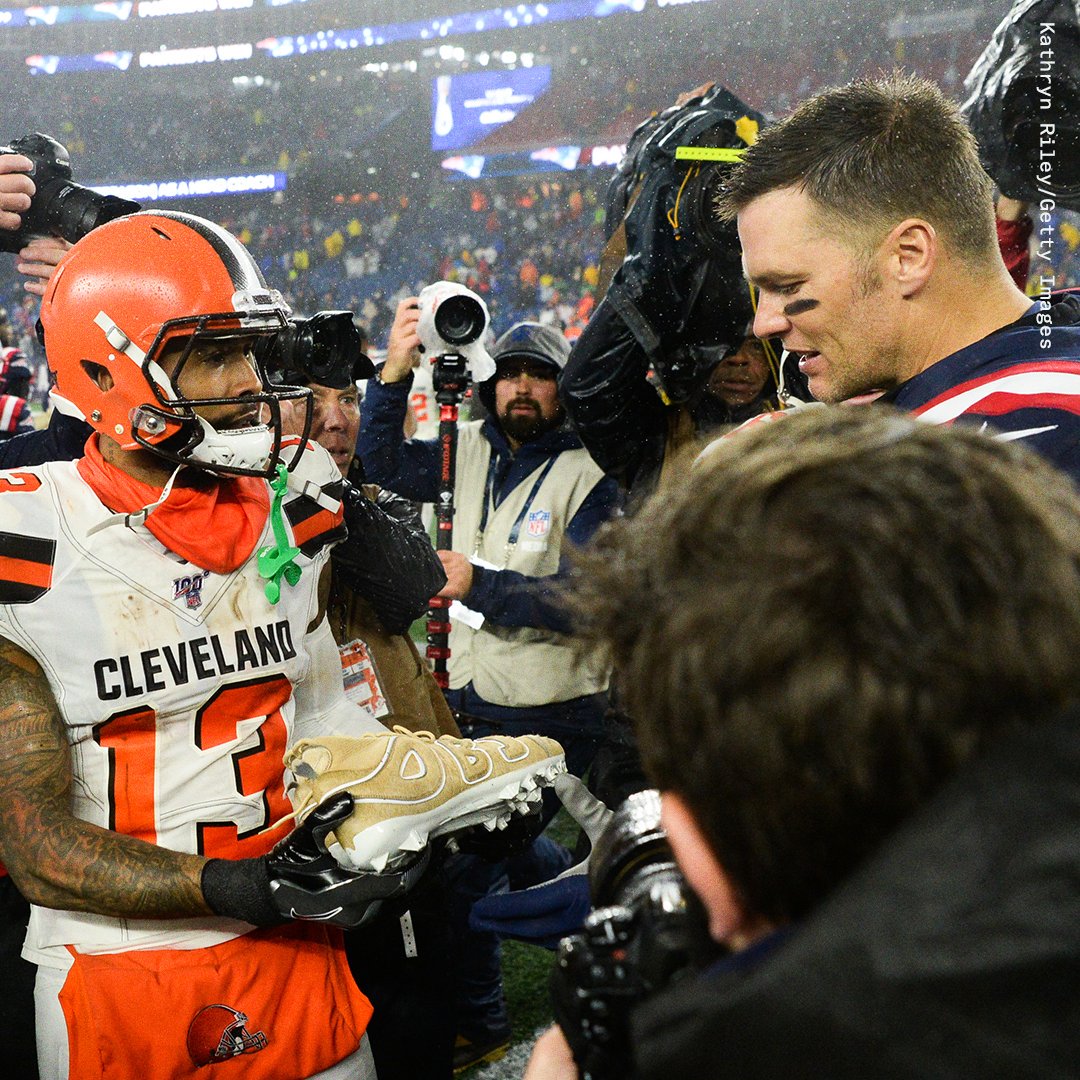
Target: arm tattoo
x=57 y=859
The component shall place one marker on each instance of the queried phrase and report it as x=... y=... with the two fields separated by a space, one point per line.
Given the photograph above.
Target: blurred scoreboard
x=465 y=108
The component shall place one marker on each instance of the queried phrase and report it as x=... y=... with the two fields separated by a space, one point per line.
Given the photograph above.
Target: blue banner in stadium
x=465 y=108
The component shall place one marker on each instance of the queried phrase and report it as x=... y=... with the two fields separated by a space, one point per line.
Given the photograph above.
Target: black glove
x=299 y=879
x=494 y=845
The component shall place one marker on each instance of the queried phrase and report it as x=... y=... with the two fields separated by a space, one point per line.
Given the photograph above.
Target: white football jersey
x=175 y=683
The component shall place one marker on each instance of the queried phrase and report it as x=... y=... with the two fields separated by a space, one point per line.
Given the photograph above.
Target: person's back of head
x=871 y=154
x=825 y=621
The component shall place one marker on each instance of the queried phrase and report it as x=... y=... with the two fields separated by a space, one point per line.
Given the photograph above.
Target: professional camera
x=679 y=287
x=453 y=321
x=326 y=349
x=59 y=206
x=646 y=931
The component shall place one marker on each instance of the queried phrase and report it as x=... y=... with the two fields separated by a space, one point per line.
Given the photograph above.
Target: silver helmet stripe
x=118 y=339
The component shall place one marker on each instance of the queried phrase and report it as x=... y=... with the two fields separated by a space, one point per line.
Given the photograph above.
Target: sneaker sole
x=490 y=803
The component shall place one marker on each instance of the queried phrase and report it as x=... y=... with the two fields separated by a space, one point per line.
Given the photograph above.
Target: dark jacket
x=621 y=419
x=952 y=954
x=387 y=558
x=619 y=416
x=62 y=439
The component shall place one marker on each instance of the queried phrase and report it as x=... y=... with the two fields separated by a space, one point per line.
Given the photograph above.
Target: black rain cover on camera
x=677 y=299
x=680 y=286
x=1028 y=77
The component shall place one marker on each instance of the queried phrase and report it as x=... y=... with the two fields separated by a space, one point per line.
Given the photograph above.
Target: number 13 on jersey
x=240 y=788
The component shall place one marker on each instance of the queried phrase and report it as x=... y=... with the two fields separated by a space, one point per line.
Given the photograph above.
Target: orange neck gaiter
x=212 y=522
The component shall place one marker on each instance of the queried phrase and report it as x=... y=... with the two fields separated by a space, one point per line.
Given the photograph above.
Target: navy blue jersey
x=1021 y=382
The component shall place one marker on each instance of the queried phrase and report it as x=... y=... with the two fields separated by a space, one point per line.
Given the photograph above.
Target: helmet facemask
x=141 y=295
x=192 y=439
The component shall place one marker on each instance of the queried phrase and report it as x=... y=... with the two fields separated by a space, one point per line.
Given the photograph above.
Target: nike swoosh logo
x=294 y=914
x=1012 y=436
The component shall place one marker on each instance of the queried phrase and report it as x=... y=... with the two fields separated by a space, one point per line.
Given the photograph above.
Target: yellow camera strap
x=709 y=153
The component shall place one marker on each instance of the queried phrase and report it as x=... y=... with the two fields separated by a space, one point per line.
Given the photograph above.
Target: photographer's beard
x=523 y=419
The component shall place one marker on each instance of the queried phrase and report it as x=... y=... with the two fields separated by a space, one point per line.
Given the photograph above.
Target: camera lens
x=326 y=348
x=71 y=210
x=631 y=850
x=459 y=320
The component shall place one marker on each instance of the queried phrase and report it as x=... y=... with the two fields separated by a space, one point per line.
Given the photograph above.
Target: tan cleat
x=409 y=787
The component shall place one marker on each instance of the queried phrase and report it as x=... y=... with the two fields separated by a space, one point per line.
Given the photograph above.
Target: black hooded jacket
x=952 y=954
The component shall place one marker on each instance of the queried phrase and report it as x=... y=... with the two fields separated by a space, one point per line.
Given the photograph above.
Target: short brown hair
x=873 y=153
x=832 y=613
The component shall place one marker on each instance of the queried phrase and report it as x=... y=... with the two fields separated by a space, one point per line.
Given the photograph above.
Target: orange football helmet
x=134 y=287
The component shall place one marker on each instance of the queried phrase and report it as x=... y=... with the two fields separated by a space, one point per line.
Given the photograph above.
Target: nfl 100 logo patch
x=539 y=522
x=189 y=588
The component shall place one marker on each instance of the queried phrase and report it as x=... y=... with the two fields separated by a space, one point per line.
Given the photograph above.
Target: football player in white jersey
x=162 y=642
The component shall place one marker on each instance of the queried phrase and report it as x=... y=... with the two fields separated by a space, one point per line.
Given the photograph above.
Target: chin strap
x=278 y=561
x=138 y=517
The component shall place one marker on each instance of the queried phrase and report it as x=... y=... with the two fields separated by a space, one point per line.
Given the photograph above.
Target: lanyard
x=489 y=495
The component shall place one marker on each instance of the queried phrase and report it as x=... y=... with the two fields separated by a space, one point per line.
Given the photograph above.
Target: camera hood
x=680 y=285
x=1023 y=102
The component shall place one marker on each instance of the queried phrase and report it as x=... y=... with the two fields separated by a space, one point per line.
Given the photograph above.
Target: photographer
x=851 y=650
x=642 y=384
x=525 y=491
x=64 y=437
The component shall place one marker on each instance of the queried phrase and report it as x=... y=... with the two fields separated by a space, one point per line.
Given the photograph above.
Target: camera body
x=454 y=321
x=646 y=931
x=326 y=348
x=59 y=206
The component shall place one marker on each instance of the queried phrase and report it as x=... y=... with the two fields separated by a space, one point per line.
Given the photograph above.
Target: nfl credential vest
x=520 y=666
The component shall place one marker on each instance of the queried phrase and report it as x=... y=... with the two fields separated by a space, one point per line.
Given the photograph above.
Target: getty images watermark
x=1044 y=89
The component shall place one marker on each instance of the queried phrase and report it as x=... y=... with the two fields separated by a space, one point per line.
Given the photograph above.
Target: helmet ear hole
x=100 y=374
